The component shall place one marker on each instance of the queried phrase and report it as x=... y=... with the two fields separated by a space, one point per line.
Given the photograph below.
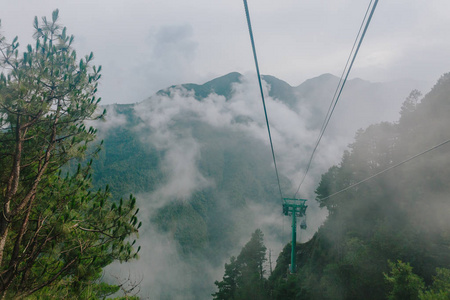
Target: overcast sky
x=148 y=45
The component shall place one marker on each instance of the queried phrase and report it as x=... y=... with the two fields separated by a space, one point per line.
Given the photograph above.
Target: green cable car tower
x=295 y=208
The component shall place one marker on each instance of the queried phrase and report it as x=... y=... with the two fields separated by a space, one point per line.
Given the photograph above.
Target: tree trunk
x=11 y=190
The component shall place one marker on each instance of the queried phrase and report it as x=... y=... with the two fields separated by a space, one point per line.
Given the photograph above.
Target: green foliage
x=185 y=224
x=94 y=291
x=244 y=276
x=404 y=284
x=123 y=151
x=207 y=224
x=235 y=164
x=401 y=215
x=228 y=286
x=56 y=233
x=440 y=288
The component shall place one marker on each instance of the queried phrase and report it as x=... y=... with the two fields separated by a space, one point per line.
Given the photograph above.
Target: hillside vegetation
x=198 y=160
x=399 y=216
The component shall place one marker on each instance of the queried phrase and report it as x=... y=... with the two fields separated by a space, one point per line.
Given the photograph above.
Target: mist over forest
x=197 y=158
x=187 y=194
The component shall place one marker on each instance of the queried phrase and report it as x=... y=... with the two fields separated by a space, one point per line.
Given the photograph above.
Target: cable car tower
x=295 y=208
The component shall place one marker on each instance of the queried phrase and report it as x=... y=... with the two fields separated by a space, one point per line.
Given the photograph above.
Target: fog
x=165 y=125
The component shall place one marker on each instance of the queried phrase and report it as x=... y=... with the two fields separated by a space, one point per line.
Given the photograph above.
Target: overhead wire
x=386 y=170
x=262 y=94
x=327 y=116
x=331 y=108
x=340 y=87
x=345 y=68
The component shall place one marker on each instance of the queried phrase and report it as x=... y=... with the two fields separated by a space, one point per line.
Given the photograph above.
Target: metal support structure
x=295 y=208
x=294 y=243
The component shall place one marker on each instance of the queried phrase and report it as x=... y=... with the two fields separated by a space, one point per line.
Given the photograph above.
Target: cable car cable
x=387 y=169
x=322 y=129
x=262 y=94
x=327 y=119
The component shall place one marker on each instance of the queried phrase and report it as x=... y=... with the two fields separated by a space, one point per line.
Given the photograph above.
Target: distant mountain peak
x=222 y=86
x=230 y=77
x=326 y=75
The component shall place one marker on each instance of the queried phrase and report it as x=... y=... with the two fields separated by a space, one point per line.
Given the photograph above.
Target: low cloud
x=112 y=120
x=170 y=124
x=289 y=129
x=180 y=164
x=160 y=271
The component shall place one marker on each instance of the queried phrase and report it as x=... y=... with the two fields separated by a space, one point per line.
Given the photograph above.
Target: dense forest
x=388 y=237
x=201 y=169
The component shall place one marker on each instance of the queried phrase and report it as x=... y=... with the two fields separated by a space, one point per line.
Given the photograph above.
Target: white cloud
x=112 y=120
x=291 y=136
x=162 y=272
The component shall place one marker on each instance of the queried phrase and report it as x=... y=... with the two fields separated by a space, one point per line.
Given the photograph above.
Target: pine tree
x=404 y=283
x=244 y=276
x=55 y=233
x=227 y=287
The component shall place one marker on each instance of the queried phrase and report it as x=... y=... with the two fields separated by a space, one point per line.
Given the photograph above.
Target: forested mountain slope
x=198 y=160
x=402 y=214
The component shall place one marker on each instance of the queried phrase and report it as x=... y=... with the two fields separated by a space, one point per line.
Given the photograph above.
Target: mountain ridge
x=202 y=170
